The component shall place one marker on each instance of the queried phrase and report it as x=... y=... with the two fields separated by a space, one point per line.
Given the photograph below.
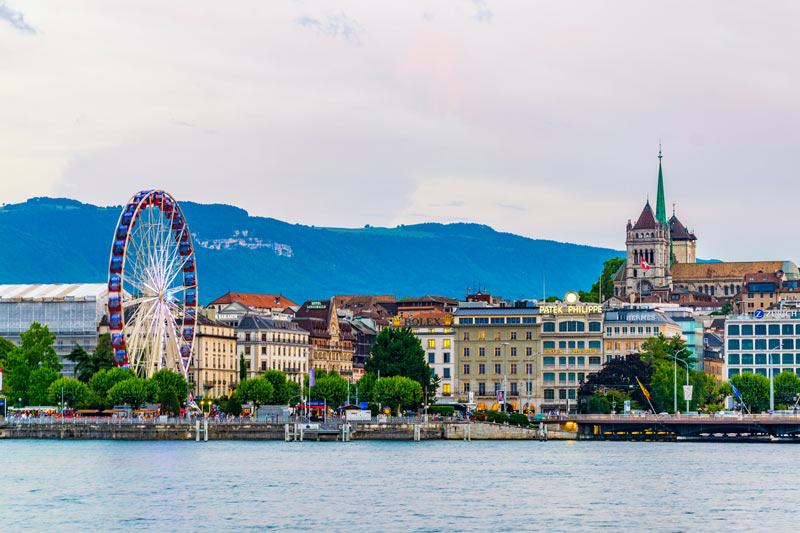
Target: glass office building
x=758 y=345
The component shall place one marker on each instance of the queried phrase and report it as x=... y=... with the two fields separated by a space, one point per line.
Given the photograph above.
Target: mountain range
x=58 y=240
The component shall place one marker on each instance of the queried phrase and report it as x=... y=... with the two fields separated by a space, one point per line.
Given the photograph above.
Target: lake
x=397 y=486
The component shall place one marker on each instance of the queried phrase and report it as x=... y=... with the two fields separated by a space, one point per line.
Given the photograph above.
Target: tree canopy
x=397 y=352
x=610 y=268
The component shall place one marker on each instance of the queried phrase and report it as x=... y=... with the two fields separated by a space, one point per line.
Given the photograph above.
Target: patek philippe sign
x=571 y=306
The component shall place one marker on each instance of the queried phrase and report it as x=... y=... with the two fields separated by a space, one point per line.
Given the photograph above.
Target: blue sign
x=316 y=403
x=759 y=313
x=362 y=405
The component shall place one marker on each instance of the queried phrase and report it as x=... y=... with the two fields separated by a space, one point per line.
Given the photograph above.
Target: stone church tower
x=649 y=240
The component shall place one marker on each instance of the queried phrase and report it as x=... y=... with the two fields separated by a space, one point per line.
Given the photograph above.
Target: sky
x=538 y=118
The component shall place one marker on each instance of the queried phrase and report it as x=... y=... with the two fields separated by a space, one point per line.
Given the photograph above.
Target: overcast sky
x=538 y=118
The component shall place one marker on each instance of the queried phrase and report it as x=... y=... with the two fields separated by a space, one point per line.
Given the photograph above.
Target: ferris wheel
x=152 y=286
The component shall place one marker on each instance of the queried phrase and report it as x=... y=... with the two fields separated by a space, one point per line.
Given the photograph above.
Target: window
x=431 y=343
x=747 y=359
x=529 y=320
x=595 y=326
x=498 y=320
x=733 y=329
x=747 y=329
x=513 y=368
x=497 y=351
x=446 y=372
x=761 y=344
x=549 y=327
x=528 y=335
x=496 y=387
x=513 y=320
x=481 y=368
x=498 y=368
x=466 y=335
x=481 y=389
x=431 y=358
x=446 y=357
x=466 y=370
x=465 y=321
x=787 y=344
x=788 y=359
x=446 y=343
x=263 y=365
x=481 y=335
x=774 y=329
x=581 y=376
x=608 y=331
x=466 y=351
x=733 y=359
x=594 y=345
x=549 y=376
x=761 y=359
x=549 y=345
x=482 y=320
x=562 y=345
x=624 y=330
x=549 y=360
x=528 y=368
x=562 y=394
x=482 y=351
x=497 y=335
x=549 y=394
x=466 y=387
x=514 y=351
x=581 y=361
x=529 y=351
x=562 y=361
x=594 y=360
x=733 y=372
x=513 y=336
x=761 y=329
x=787 y=329
x=562 y=377
x=747 y=344
x=571 y=376
x=446 y=388
x=774 y=344
x=571 y=325
x=571 y=345
x=572 y=361
x=571 y=394
x=776 y=358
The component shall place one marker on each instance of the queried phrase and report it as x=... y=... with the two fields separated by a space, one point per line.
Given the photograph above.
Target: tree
x=37 y=347
x=754 y=389
x=134 y=392
x=83 y=363
x=242 y=368
x=169 y=403
x=74 y=392
x=366 y=387
x=620 y=374
x=104 y=380
x=397 y=352
x=285 y=389
x=169 y=380
x=397 y=392
x=256 y=390
x=786 y=386
x=610 y=268
x=39 y=382
x=329 y=387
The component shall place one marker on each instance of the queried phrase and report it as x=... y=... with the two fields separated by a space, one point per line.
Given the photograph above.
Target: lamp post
x=505 y=378
x=675 y=359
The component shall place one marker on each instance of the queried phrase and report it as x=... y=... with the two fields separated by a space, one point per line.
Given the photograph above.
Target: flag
x=736 y=392
x=646 y=394
x=645 y=264
x=311 y=378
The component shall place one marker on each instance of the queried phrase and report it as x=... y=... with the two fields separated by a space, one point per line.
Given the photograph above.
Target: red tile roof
x=646 y=219
x=256 y=301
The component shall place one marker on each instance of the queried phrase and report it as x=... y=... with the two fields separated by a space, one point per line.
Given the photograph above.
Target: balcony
x=209 y=384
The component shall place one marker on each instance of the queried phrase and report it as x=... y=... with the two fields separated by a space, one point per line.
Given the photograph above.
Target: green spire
x=661 y=208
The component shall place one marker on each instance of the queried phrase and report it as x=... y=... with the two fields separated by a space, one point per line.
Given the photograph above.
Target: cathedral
x=661 y=266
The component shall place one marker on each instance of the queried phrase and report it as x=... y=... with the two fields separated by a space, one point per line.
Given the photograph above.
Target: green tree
x=366 y=387
x=621 y=375
x=75 y=393
x=104 y=380
x=83 y=363
x=169 y=403
x=242 y=368
x=786 y=386
x=134 y=392
x=87 y=364
x=398 y=392
x=610 y=268
x=397 y=352
x=169 y=380
x=329 y=387
x=37 y=347
x=256 y=390
x=754 y=389
x=39 y=383
x=285 y=390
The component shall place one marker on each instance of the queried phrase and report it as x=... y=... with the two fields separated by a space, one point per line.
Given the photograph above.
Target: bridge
x=683 y=427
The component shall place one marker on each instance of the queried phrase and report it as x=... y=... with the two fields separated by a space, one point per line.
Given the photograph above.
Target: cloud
x=338 y=25
x=482 y=13
x=15 y=18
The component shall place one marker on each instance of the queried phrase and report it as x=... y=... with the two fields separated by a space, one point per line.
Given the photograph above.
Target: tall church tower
x=649 y=249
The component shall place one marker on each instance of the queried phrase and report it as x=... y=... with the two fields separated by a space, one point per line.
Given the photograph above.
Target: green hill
x=47 y=240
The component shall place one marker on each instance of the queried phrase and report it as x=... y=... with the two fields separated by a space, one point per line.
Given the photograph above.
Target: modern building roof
x=255 y=322
x=691 y=271
x=54 y=292
x=257 y=301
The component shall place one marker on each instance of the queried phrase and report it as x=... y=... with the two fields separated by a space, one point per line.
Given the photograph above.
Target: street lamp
x=505 y=378
x=675 y=380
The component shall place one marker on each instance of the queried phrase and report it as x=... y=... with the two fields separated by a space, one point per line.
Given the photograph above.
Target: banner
x=687 y=392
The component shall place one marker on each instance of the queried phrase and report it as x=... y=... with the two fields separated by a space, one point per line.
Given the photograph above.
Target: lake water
x=397 y=486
